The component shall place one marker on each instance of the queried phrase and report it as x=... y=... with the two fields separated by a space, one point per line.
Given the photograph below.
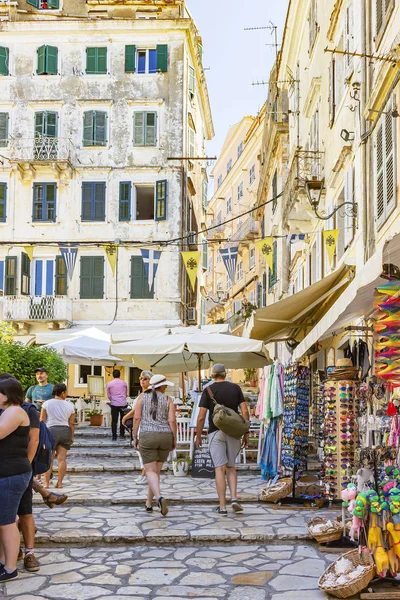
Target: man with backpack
x=37 y=394
x=224 y=398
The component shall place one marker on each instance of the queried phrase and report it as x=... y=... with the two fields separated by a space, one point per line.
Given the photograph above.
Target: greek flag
x=230 y=256
x=151 y=258
x=297 y=237
x=69 y=254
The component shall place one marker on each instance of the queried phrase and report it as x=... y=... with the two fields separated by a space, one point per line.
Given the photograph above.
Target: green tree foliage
x=21 y=362
x=6 y=332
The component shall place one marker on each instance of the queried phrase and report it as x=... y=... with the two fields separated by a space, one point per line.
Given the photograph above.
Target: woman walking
x=59 y=416
x=155 y=415
x=15 y=472
x=144 y=379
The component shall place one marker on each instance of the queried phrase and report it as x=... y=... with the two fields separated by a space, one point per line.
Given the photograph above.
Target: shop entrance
x=134 y=383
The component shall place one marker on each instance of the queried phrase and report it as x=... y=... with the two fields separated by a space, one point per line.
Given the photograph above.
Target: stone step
x=78 y=464
x=184 y=523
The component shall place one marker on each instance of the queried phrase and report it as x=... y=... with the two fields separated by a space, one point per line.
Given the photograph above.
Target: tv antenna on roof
x=274 y=31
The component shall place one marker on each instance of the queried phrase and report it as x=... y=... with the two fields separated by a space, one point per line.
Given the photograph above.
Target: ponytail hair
x=154 y=401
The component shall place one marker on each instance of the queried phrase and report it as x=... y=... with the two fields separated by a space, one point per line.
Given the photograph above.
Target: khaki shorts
x=155 y=447
x=223 y=448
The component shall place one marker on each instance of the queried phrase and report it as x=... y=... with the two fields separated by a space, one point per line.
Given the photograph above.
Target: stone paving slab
x=184 y=523
x=237 y=572
x=98 y=488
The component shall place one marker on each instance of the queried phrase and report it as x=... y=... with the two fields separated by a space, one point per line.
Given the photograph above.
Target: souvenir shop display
x=277 y=490
x=269 y=410
x=325 y=530
x=317 y=414
x=348 y=575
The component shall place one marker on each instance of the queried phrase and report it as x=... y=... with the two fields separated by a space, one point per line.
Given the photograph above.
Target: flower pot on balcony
x=96 y=420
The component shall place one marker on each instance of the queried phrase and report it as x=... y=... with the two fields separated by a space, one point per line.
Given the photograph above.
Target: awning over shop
x=297 y=312
x=356 y=301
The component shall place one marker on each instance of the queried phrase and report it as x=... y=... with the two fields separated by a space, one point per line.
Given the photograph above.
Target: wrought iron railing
x=37 y=308
x=42 y=149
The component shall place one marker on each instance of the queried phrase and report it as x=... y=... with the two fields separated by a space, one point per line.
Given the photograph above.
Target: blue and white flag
x=151 y=258
x=69 y=254
x=230 y=256
x=297 y=237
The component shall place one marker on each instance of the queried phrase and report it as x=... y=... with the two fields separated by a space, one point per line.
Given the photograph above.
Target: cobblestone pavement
x=232 y=572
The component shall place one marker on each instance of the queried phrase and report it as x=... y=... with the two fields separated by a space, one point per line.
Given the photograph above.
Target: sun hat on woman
x=158 y=380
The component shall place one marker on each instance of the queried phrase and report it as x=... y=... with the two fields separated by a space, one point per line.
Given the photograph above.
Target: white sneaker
x=142 y=480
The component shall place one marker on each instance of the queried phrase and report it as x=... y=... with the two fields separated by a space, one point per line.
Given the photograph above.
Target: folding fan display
x=387 y=332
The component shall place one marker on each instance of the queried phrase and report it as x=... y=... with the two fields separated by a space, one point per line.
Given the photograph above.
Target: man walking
x=117 y=392
x=223 y=448
x=37 y=394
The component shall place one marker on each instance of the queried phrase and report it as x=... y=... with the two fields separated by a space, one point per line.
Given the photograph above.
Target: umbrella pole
x=199 y=370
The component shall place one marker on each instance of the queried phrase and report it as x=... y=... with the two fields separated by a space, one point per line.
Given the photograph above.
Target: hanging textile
x=269 y=455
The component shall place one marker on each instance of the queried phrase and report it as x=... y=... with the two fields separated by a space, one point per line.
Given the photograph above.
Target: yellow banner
x=112 y=253
x=191 y=260
x=266 y=247
x=29 y=251
x=330 y=241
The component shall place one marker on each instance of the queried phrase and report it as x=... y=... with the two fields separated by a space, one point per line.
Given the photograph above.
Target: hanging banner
x=297 y=237
x=230 y=256
x=29 y=251
x=266 y=247
x=330 y=241
x=151 y=258
x=111 y=251
x=191 y=261
x=69 y=254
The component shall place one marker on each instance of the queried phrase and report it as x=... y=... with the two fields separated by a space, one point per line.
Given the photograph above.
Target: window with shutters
x=60 y=281
x=151 y=60
x=145 y=128
x=273 y=274
x=312 y=25
x=43 y=277
x=192 y=143
x=94 y=128
x=47 y=60
x=3 y=202
x=161 y=200
x=385 y=167
x=252 y=258
x=204 y=193
x=45 y=4
x=240 y=270
x=252 y=174
x=93 y=201
x=205 y=255
x=192 y=82
x=229 y=166
x=4 y=118
x=229 y=206
x=92 y=278
x=125 y=189
x=46 y=124
x=10 y=276
x=219 y=181
x=96 y=61
x=240 y=149
x=25 y=274
x=240 y=191
x=4 y=60
x=139 y=280
x=383 y=12
x=44 y=202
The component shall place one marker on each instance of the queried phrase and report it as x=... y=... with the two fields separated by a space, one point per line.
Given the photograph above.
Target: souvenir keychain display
x=317 y=414
x=295 y=419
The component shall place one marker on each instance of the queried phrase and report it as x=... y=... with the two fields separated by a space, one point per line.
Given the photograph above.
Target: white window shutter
x=390 y=141
x=379 y=175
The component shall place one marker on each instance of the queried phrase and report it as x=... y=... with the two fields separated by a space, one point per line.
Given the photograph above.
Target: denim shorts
x=11 y=492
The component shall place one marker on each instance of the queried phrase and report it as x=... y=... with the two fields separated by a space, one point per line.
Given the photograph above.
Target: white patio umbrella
x=85 y=350
x=188 y=352
x=137 y=334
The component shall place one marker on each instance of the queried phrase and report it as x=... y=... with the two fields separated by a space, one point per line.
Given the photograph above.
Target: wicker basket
x=356 y=585
x=331 y=534
x=274 y=493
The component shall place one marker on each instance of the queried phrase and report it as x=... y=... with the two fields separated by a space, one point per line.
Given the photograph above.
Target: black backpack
x=42 y=461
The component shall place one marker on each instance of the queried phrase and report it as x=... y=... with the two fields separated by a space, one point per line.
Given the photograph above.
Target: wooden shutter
x=98 y=211
x=51 y=60
x=101 y=60
x=98 y=277
x=4 y=62
x=379 y=15
x=49 y=198
x=205 y=254
x=138 y=129
x=162 y=58
x=161 y=200
x=204 y=194
x=86 y=277
x=50 y=124
x=125 y=188
x=39 y=124
x=41 y=60
x=25 y=274
x=130 y=59
x=49 y=277
x=139 y=283
x=60 y=277
x=3 y=202
x=34 y=3
x=390 y=175
x=3 y=130
x=38 y=277
x=87 y=196
x=92 y=277
x=53 y=3
x=380 y=184
x=100 y=128
x=151 y=129
x=88 y=129
x=192 y=81
x=332 y=93
x=10 y=278
x=91 y=60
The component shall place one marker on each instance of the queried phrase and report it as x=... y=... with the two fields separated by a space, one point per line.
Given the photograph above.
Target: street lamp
x=314 y=188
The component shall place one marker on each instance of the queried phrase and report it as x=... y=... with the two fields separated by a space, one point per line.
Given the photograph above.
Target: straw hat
x=158 y=380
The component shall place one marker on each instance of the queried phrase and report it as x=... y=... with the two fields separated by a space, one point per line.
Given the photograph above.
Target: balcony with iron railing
x=29 y=153
x=248 y=230
x=31 y=309
x=217 y=231
x=306 y=165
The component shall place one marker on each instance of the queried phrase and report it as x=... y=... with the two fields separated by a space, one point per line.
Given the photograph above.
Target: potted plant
x=180 y=466
x=96 y=418
x=251 y=377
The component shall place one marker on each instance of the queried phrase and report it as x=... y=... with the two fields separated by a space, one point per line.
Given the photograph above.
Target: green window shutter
x=34 y=3
x=88 y=129
x=99 y=202
x=53 y=3
x=138 y=129
x=25 y=274
x=101 y=60
x=139 y=283
x=3 y=130
x=151 y=128
x=4 y=60
x=60 y=277
x=86 y=279
x=92 y=277
x=100 y=128
x=50 y=124
x=10 y=276
x=130 y=59
x=125 y=188
x=3 y=202
x=41 y=60
x=91 y=60
x=98 y=277
x=39 y=124
x=161 y=200
x=51 y=60
x=162 y=58
x=87 y=194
